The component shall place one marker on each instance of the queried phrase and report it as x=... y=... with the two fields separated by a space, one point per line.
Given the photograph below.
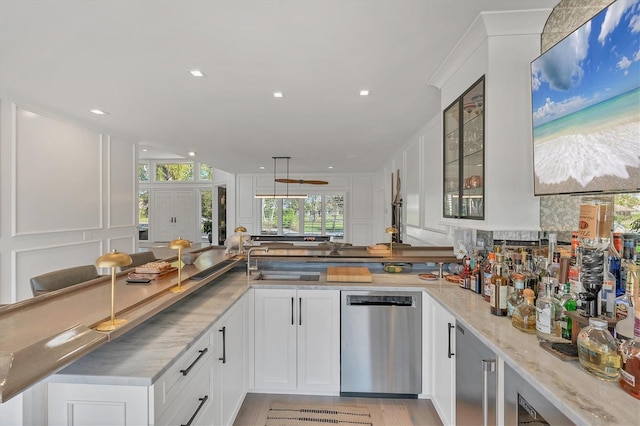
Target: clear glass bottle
x=630 y=369
x=516 y=297
x=524 y=316
x=628 y=304
x=630 y=349
x=597 y=350
x=546 y=306
x=499 y=287
x=530 y=277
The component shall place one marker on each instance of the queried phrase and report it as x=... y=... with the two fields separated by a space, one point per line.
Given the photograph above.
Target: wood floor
x=384 y=411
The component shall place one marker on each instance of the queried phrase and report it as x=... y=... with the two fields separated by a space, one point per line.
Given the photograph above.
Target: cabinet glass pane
x=464 y=155
x=451 y=187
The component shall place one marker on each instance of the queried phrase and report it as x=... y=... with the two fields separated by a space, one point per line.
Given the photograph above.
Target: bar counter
x=143 y=355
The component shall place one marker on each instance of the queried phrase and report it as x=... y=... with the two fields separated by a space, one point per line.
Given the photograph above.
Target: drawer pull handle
x=449 y=353
x=223 y=330
x=186 y=370
x=203 y=401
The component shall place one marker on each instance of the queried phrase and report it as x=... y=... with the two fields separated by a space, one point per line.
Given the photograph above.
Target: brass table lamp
x=113 y=260
x=240 y=229
x=179 y=244
x=391 y=230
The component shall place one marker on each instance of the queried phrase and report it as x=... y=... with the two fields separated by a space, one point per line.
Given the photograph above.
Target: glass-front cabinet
x=464 y=155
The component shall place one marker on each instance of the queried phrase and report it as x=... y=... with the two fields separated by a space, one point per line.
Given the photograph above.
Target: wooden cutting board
x=357 y=274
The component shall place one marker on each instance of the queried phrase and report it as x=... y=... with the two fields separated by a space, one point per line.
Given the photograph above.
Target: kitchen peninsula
x=134 y=369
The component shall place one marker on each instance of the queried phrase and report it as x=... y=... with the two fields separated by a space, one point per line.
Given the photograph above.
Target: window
x=315 y=215
x=206 y=172
x=143 y=172
x=174 y=171
x=143 y=214
x=206 y=204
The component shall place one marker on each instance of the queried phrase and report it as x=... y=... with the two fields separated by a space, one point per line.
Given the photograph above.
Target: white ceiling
x=130 y=58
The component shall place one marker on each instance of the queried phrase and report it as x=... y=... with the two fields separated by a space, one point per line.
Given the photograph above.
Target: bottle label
x=492 y=291
x=608 y=285
x=543 y=320
x=502 y=303
x=588 y=222
x=628 y=378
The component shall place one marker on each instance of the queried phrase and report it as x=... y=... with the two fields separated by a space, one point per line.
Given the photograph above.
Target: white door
x=174 y=215
x=319 y=340
x=444 y=364
x=233 y=365
x=275 y=339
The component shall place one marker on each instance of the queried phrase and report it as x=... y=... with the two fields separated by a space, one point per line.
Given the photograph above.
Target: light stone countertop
x=583 y=398
x=141 y=356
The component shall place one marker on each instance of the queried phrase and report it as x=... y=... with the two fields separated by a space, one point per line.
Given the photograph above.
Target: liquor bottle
x=516 y=297
x=630 y=369
x=608 y=292
x=499 y=284
x=524 y=316
x=476 y=273
x=465 y=275
x=553 y=243
x=530 y=277
x=487 y=276
x=630 y=349
x=597 y=350
x=546 y=306
x=628 y=304
x=568 y=304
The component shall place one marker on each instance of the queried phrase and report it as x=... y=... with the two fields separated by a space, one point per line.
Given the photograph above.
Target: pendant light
x=275 y=195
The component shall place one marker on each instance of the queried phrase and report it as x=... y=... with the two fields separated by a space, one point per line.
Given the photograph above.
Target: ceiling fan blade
x=301 y=181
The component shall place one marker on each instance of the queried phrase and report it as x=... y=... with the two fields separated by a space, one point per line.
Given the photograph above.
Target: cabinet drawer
x=193 y=403
x=182 y=372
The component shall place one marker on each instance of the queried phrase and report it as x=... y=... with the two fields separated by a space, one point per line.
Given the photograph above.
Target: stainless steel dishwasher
x=381 y=344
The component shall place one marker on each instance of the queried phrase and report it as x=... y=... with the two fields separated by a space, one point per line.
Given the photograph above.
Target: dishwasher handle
x=381 y=300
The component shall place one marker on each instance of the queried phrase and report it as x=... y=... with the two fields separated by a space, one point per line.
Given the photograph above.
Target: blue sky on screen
x=598 y=61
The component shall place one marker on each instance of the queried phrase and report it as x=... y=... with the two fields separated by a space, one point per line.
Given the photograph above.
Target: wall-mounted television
x=585 y=93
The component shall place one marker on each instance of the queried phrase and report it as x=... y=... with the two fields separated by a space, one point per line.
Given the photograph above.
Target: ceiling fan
x=298 y=181
x=302 y=181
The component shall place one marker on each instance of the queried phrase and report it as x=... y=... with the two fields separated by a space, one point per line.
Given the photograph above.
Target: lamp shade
x=240 y=229
x=113 y=259
x=391 y=230
x=179 y=244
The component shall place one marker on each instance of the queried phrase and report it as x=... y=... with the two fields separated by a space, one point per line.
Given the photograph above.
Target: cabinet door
x=443 y=371
x=85 y=404
x=463 y=155
x=233 y=362
x=162 y=213
x=275 y=339
x=319 y=340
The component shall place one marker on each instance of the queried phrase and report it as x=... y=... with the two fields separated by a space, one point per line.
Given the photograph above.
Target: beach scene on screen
x=586 y=106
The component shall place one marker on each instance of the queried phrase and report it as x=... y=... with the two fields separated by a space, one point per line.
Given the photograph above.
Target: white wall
x=68 y=194
x=360 y=201
x=499 y=46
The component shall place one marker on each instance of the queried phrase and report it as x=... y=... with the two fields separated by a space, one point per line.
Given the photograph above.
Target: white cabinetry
x=174 y=215
x=230 y=384
x=443 y=363
x=205 y=386
x=297 y=340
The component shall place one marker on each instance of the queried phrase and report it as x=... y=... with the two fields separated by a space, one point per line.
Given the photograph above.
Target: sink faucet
x=251 y=250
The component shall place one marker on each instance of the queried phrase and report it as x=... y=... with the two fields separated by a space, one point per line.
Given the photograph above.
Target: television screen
x=586 y=106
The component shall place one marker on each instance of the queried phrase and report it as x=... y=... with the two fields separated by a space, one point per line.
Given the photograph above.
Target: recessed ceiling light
x=261 y=167
x=98 y=112
x=191 y=154
x=364 y=93
x=330 y=167
x=278 y=94
x=144 y=150
x=196 y=73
